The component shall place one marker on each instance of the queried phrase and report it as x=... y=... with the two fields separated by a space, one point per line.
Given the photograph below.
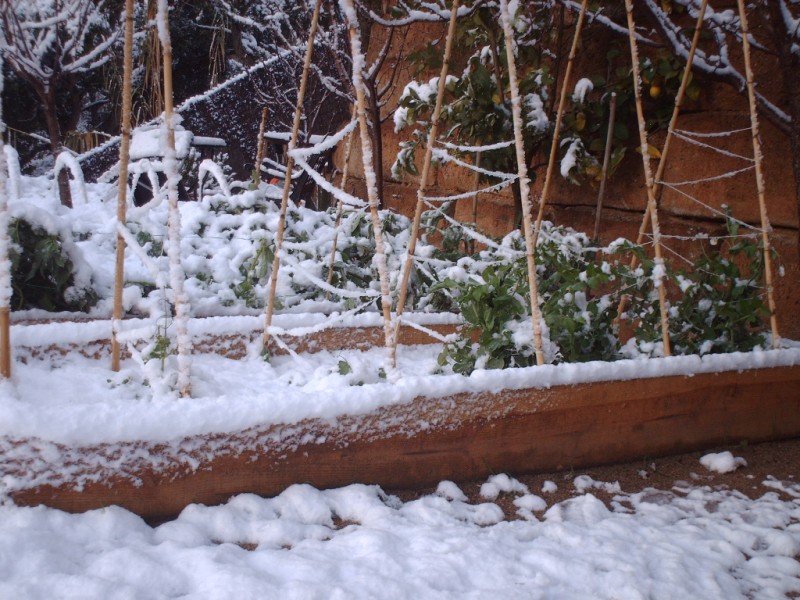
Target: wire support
x=445 y=157
x=700 y=144
x=328 y=323
x=712 y=134
x=487 y=148
x=675 y=184
x=336 y=192
x=324 y=285
x=712 y=209
x=487 y=190
x=426 y=330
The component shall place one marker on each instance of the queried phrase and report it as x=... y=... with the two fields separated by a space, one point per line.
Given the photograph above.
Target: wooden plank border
x=460 y=437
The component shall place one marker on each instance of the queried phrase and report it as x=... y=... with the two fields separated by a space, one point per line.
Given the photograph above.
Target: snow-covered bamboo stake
x=348 y=148
x=261 y=144
x=287 y=182
x=426 y=167
x=122 y=194
x=758 y=157
x=559 y=116
x=612 y=114
x=662 y=161
x=476 y=186
x=369 y=175
x=524 y=182
x=176 y=273
x=5 y=262
x=659 y=270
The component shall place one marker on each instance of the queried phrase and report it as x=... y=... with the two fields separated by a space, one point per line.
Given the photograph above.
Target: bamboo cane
x=340 y=208
x=612 y=112
x=287 y=182
x=261 y=144
x=369 y=176
x=648 y=176
x=174 y=252
x=758 y=157
x=122 y=200
x=426 y=167
x=5 y=262
x=559 y=116
x=662 y=161
x=524 y=182
x=476 y=187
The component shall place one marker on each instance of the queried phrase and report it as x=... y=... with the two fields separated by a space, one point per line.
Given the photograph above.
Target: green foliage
x=715 y=306
x=42 y=273
x=720 y=307
x=579 y=303
x=488 y=305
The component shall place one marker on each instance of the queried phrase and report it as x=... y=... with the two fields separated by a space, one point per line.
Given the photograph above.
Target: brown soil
x=778 y=460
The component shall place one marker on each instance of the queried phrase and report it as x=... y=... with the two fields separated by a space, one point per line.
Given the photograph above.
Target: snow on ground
x=358 y=542
x=353 y=542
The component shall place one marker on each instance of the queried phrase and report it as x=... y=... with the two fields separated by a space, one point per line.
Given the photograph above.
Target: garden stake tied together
x=340 y=206
x=524 y=182
x=758 y=157
x=287 y=182
x=369 y=175
x=662 y=162
x=557 y=127
x=122 y=200
x=176 y=274
x=659 y=273
x=423 y=182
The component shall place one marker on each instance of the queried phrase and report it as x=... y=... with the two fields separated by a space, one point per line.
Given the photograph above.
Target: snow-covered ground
x=353 y=542
x=358 y=542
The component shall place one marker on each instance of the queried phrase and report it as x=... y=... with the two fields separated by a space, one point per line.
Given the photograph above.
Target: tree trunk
x=377 y=137
x=48 y=98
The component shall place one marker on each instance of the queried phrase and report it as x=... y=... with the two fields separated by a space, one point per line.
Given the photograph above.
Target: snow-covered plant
x=717 y=305
x=43 y=270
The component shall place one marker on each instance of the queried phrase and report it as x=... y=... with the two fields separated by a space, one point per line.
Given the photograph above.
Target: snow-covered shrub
x=46 y=271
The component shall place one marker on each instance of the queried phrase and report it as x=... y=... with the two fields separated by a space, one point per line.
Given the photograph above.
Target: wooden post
x=612 y=113
x=659 y=275
x=340 y=207
x=524 y=182
x=557 y=129
x=369 y=176
x=476 y=187
x=176 y=274
x=287 y=182
x=122 y=193
x=5 y=262
x=261 y=144
x=426 y=166
x=758 y=157
x=662 y=162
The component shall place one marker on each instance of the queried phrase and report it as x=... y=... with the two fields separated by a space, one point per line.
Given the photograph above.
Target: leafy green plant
x=717 y=305
x=489 y=303
x=42 y=273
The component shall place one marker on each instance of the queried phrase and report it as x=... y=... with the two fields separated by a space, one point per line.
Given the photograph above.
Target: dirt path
x=778 y=460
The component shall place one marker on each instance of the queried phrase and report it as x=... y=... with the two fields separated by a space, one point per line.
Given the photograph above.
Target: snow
x=722 y=462
x=359 y=542
x=583 y=87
